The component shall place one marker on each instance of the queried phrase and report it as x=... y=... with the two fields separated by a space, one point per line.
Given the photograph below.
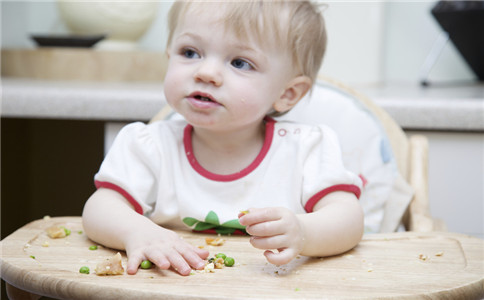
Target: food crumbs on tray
x=47 y=217
x=209 y=268
x=84 y=270
x=244 y=212
x=439 y=253
x=67 y=231
x=214 y=242
x=93 y=247
x=219 y=263
x=45 y=244
x=32 y=256
x=297 y=289
x=423 y=257
x=111 y=266
x=56 y=232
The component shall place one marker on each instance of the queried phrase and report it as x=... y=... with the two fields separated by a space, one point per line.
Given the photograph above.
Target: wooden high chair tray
x=397 y=265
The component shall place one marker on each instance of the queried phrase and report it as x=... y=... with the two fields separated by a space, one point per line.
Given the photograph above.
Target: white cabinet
x=456 y=180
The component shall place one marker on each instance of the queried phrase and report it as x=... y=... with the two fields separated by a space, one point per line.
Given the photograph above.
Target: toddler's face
x=219 y=82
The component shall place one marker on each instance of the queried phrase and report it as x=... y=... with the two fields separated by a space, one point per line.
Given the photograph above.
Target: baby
x=232 y=67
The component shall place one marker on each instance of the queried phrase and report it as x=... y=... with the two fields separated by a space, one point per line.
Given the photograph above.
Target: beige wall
x=370 y=41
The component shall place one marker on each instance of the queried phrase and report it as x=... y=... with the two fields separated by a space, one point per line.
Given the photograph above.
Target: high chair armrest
x=419 y=218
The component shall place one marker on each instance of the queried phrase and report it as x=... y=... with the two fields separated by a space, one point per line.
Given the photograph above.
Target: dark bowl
x=67 y=40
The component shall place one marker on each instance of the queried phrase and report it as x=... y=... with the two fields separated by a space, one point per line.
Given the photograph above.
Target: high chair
x=393 y=166
x=416 y=264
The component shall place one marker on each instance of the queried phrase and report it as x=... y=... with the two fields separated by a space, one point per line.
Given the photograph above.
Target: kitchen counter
x=449 y=108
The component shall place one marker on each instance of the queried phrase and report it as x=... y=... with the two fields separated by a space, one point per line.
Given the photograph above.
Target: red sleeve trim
x=351 y=188
x=112 y=186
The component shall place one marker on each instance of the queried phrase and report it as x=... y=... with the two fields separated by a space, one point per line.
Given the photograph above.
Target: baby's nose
x=209 y=72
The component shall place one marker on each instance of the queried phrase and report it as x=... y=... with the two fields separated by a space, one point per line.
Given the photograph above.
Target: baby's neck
x=227 y=152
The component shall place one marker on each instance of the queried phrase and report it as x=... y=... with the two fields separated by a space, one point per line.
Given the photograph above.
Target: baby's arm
x=335 y=226
x=109 y=219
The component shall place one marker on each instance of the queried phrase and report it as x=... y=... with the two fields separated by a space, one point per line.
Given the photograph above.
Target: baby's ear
x=294 y=91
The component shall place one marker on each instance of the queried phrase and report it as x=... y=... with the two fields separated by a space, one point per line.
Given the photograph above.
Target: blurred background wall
x=370 y=42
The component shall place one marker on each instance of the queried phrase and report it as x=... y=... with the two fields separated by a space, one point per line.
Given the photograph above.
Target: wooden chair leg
x=15 y=293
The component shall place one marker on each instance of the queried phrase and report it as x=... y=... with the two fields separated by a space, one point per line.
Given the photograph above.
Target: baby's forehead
x=247 y=20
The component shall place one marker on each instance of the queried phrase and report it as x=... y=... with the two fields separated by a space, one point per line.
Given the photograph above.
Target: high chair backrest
x=373 y=146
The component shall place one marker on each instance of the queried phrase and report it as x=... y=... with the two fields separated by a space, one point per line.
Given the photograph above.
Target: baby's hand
x=164 y=248
x=274 y=228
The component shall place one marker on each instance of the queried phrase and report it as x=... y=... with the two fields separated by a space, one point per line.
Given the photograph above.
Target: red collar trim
x=187 y=141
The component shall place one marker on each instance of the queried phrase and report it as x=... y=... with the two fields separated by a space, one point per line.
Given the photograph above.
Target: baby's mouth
x=202 y=98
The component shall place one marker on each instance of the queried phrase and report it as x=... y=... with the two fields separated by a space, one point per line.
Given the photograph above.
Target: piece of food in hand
x=110 y=266
x=214 y=242
x=56 y=232
x=243 y=213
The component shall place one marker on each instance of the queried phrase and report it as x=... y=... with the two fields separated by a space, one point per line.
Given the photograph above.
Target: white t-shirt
x=154 y=168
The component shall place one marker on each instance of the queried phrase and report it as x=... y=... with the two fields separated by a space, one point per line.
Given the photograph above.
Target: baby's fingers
x=281 y=258
x=272 y=242
x=258 y=215
x=202 y=253
x=133 y=263
x=195 y=257
x=155 y=257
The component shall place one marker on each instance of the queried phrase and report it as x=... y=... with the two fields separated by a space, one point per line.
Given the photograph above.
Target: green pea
x=67 y=231
x=220 y=255
x=146 y=264
x=84 y=270
x=94 y=247
x=229 y=261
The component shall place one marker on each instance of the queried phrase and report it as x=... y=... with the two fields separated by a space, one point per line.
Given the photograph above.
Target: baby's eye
x=241 y=64
x=189 y=53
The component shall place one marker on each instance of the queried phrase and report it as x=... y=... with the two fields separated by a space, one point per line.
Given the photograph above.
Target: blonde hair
x=296 y=24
